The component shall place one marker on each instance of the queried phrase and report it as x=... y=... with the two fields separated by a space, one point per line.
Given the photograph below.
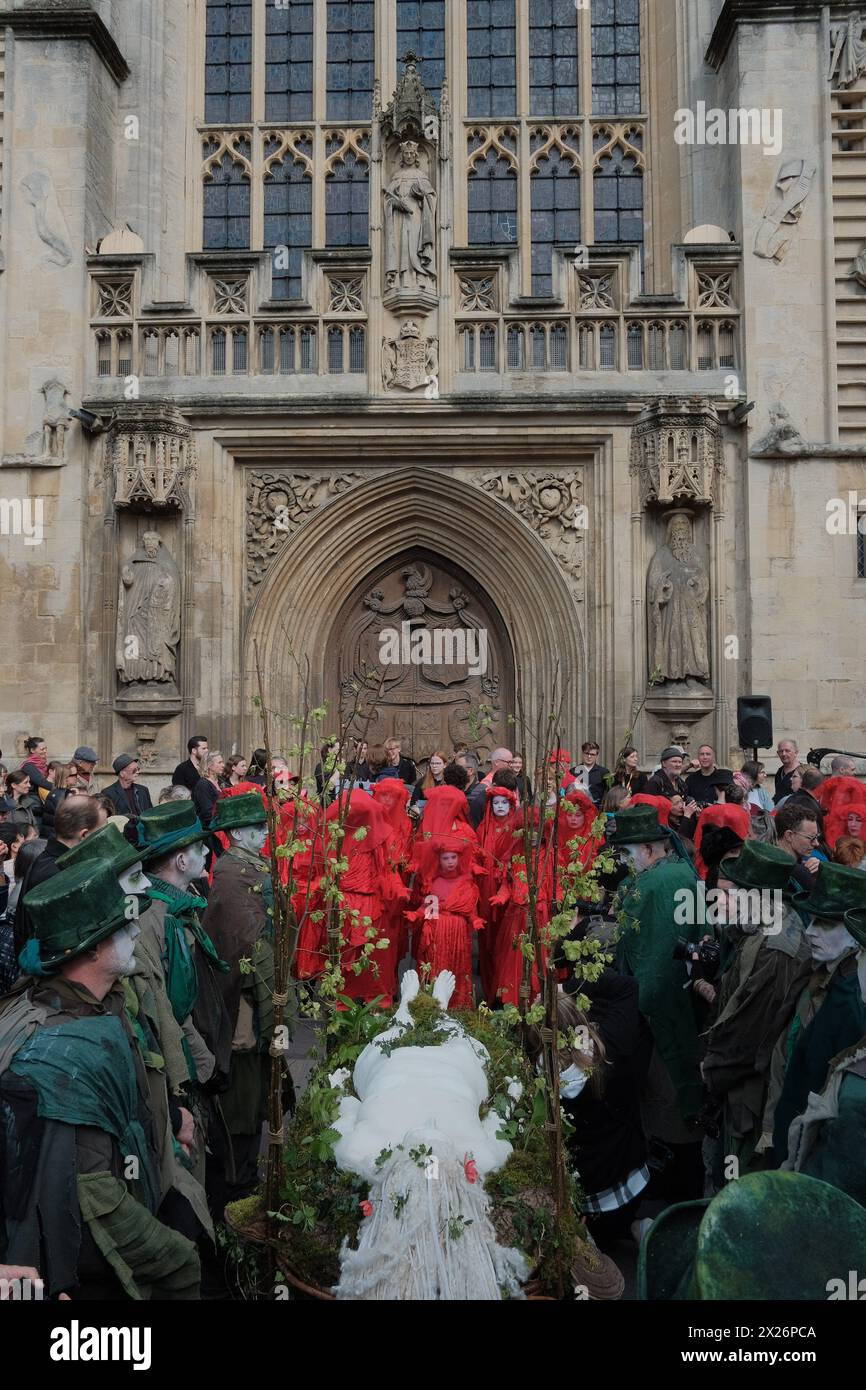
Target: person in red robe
x=390 y=796
x=362 y=844
x=847 y=818
x=449 y=915
x=736 y=818
x=498 y=841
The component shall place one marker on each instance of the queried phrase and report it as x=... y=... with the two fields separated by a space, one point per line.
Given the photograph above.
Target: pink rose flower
x=470 y=1168
x=366 y=1208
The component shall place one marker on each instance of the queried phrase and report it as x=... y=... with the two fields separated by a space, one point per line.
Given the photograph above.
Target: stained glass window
x=491 y=47
x=288 y=223
x=351 y=60
x=421 y=29
x=553 y=74
x=227 y=208
x=492 y=202
x=347 y=203
x=618 y=186
x=615 y=57
x=228 y=61
x=555 y=201
x=289 y=62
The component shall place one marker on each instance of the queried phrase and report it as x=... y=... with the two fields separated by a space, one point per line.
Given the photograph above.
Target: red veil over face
x=661 y=803
x=836 y=821
x=390 y=795
x=447 y=810
x=736 y=818
x=839 y=791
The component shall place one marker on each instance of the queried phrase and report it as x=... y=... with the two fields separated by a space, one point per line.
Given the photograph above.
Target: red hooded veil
x=736 y=818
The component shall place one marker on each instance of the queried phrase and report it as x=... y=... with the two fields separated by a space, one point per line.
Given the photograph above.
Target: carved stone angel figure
x=410 y=225
x=148 y=615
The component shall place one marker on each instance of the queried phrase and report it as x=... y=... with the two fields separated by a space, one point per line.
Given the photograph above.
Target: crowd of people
x=137 y=973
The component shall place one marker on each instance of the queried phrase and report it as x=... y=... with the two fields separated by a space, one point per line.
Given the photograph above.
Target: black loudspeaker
x=755 y=721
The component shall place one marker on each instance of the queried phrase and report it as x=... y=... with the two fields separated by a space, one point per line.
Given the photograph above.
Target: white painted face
x=574 y=819
x=637 y=857
x=448 y=860
x=134 y=880
x=120 y=958
x=828 y=943
x=251 y=837
x=501 y=806
x=195 y=856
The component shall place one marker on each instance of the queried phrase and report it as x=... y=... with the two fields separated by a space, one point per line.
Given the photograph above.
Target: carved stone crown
x=676 y=452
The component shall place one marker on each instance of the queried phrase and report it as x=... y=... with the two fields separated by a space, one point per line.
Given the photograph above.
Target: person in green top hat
x=178 y=967
x=181 y=1187
x=830 y=1014
x=239 y=921
x=757 y=995
x=648 y=902
x=79 y=1190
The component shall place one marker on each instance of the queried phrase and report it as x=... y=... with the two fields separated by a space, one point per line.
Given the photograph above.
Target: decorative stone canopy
x=150 y=457
x=677 y=452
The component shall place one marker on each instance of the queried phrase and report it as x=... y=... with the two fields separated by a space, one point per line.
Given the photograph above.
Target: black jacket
x=662 y=785
x=608 y=1141
x=130 y=802
x=596 y=778
x=700 y=788
x=205 y=797
x=43 y=867
x=186 y=774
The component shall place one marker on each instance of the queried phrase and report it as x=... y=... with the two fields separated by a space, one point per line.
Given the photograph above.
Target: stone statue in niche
x=793 y=185
x=410 y=225
x=148 y=615
x=678 y=588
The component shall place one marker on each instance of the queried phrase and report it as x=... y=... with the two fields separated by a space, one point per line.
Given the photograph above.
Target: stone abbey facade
x=456 y=315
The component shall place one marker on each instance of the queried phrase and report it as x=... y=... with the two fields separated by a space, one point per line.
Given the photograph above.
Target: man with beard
x=79 y=1181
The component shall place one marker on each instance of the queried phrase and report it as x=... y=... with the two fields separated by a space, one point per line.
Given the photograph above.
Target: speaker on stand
x=755 y=722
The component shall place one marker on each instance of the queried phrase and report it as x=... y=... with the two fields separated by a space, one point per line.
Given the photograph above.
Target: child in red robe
x=449 y=914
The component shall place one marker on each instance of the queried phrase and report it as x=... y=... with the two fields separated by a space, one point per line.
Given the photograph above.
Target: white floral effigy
x=414 y=1131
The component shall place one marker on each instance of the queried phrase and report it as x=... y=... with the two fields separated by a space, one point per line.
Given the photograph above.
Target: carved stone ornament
x=410 y=361
x=676 y=453
x=277 y=504
x=552 y=504
x=49 y=221
x=848 y=50
x=793 y=185
x=46 y=446
x=150 y=457
x=411 y=111
x=784 y=441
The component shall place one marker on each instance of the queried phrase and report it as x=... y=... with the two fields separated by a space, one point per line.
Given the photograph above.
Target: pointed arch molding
x=341 y=543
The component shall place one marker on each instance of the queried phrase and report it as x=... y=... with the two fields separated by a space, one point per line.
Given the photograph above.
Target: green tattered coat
x=647 y=953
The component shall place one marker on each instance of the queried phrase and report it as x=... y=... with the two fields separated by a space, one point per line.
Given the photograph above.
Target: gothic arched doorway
x=419 y=650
